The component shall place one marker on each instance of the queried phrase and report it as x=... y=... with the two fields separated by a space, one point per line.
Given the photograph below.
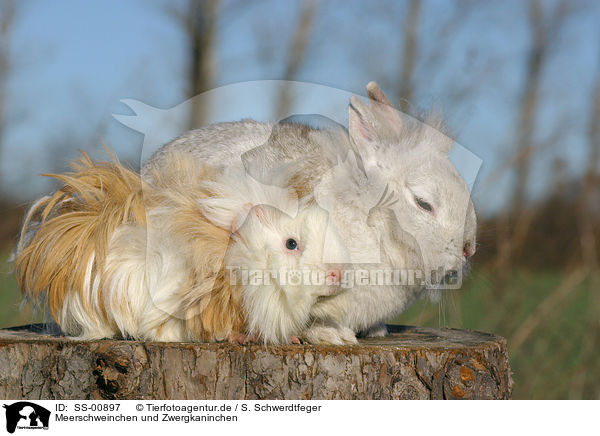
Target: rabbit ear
x=384 y=110
x=361 y=124
x=376 y=94
x=375 y=122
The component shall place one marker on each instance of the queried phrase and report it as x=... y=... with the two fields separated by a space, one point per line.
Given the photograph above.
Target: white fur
x=419 y=240
x=145 y=275
x=280 y=308
x=140 y=293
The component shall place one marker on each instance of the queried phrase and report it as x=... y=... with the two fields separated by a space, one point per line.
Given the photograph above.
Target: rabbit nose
x=468 y=250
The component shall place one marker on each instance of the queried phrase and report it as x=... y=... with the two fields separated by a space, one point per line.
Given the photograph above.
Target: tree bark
x=411 y=363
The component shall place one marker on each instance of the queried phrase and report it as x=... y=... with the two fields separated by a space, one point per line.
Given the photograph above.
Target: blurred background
x=517 y=81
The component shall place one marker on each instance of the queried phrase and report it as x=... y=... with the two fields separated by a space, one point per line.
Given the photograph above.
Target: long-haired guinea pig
x=276 y=262
x=115 y=257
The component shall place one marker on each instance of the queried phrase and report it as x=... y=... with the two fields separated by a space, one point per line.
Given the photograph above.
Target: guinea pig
x=113 y=256
x=276 y=262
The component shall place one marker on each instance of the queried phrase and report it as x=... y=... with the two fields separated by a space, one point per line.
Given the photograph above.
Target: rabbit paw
x=376 y=331
x=321 y=334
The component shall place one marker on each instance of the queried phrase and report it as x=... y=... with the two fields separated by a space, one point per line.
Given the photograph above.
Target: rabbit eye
x=291 y=244
x=427 y=207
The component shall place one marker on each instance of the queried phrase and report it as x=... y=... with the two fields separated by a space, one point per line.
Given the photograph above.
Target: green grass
x=559 y=359
x=11 y=312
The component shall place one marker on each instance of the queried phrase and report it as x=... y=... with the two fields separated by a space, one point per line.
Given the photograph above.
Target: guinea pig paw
x=296 y=340
x=240 y=338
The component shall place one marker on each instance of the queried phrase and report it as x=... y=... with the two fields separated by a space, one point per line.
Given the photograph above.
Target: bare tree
x=535 y=62
x=591 y=181
x=587 y=215
x=420 y=60
x=543 y=34
x=198 y=21
x=296 y=54
x=409 y=55
x=201 y=27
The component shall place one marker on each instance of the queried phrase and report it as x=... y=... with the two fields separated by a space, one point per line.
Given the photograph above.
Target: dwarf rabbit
x=427 y=225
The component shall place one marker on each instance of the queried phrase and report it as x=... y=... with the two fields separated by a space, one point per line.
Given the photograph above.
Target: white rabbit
x=397 y=197
x=428 y=224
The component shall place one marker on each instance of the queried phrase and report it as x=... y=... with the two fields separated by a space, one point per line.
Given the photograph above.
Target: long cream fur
x=104 y=268
x=72 y=236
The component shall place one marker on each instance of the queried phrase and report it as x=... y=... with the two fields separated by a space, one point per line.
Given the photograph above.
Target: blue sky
x=75 y=61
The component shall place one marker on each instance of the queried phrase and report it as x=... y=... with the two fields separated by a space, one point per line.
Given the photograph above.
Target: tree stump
x=410 y=363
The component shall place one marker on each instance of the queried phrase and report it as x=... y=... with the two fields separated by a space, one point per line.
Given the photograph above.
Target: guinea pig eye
x=291 y=244
x=427 y=207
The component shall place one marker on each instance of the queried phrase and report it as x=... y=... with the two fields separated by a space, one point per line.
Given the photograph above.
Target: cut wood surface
x=410 y=363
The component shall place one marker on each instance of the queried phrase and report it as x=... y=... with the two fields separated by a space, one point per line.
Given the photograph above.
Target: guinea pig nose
x=334 y=275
